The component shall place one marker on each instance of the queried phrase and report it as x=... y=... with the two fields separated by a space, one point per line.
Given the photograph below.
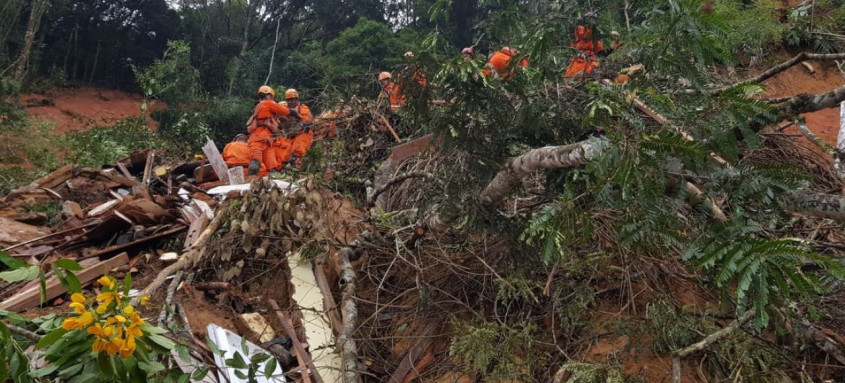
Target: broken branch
x=801 y=57
x=706 y=342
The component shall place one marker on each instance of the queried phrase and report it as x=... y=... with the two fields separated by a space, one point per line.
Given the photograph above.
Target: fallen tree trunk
x=549 y=157
x=348 y=284
x=816 y=205
x=706 y=342
x=190 y=258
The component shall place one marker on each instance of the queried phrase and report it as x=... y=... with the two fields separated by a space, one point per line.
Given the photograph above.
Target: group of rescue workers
x=281 y=133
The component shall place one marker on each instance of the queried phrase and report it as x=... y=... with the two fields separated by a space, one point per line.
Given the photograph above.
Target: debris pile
x=214 y=255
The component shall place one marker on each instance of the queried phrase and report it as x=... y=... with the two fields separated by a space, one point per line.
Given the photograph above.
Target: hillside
x=426 y=191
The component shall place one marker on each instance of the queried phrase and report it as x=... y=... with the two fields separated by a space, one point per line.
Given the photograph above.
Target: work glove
x=254 y=167
x=294 y=113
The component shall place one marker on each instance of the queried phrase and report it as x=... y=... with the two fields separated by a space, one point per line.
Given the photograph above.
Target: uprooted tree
x=560 y=194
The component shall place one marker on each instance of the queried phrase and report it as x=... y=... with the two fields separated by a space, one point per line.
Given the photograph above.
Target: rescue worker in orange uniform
x=261 y=128
x=588 y=49
x=390 y=91
x=500 y=60
x=305 y=136
x=238 y=153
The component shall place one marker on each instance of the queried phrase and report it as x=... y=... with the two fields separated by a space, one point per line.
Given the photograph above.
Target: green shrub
x=104 y=145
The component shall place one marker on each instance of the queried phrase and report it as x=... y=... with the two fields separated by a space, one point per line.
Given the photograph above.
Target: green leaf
x=162 y=341
x=184 y=378
x=13 y=317
x=28 y=273
x=104 y=363
x=13 y=263
x=184 y=354
x=51 y=338
x=149 y=329
x=259 y=358
x=85 y=377
x=68 y=264
x=240 y=374
x=127 y=283
x=44 y=371
x=72 y=370
x=214 y=349
x=236 y=361
x=151 y=367
x=270 y=368
x=200 y=373
x=73 y=285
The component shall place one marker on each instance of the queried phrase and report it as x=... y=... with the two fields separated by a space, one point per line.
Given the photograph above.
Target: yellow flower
x=85 y=319
x=100 y=331
x=70 y=323
x=79 y=308
x=144 y=300
x=114 y=346
x=106 y=281
x=101 y=309
x=127 y=348
x=107 y=297
x=77 y=298
x=78 y=323
x=100 y=345
x=128 y=310
x=133 y=331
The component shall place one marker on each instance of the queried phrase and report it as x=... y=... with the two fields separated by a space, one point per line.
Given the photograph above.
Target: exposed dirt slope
x=83 y=107
x=797 y=80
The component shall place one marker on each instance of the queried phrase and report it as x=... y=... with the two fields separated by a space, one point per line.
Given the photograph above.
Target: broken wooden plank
x=329 y=305
x=30 y=297
x=216 y=160
x=297 y=345
x=148 y=166
x=236 y=175
x=102 y=208
x=123 y=170
x=68 y=231
x=115 y=248
x=410 y=359
x=198 y=225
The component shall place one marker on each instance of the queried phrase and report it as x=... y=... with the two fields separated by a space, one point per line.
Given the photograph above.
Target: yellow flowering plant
x=105 y=338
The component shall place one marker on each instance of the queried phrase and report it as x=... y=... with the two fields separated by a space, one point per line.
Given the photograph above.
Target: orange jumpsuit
x=239 y=154
x=284 y=147
x=302 y=142
x=499 y=61
x=393 y=94
x=586 y=61
x=261 y=139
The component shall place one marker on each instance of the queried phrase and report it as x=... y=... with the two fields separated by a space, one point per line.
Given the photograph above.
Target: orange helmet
x=264 y=89
x=509 y=51
x=291 y=93
x=384 y=75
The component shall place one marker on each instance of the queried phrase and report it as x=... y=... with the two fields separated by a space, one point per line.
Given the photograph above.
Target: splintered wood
x=216 y=160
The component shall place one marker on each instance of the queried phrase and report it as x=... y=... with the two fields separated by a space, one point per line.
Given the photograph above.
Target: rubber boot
x=254 y=167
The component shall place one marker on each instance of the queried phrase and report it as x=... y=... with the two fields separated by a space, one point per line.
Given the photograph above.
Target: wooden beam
x=216 y=160
x=30 y=297
x=297 y=345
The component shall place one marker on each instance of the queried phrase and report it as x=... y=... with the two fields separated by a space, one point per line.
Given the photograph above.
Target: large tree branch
x=799 y=58
x=549 y=157
x=816 y=205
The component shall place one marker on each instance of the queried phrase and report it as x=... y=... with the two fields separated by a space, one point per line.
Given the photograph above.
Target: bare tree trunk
x=840 y=140
x=549 y=157
x=94 y=67
x=816 y=205
x=38 y=8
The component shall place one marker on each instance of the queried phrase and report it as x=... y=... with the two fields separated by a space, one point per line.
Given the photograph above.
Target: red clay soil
x=797 y=80
x=83 y=107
